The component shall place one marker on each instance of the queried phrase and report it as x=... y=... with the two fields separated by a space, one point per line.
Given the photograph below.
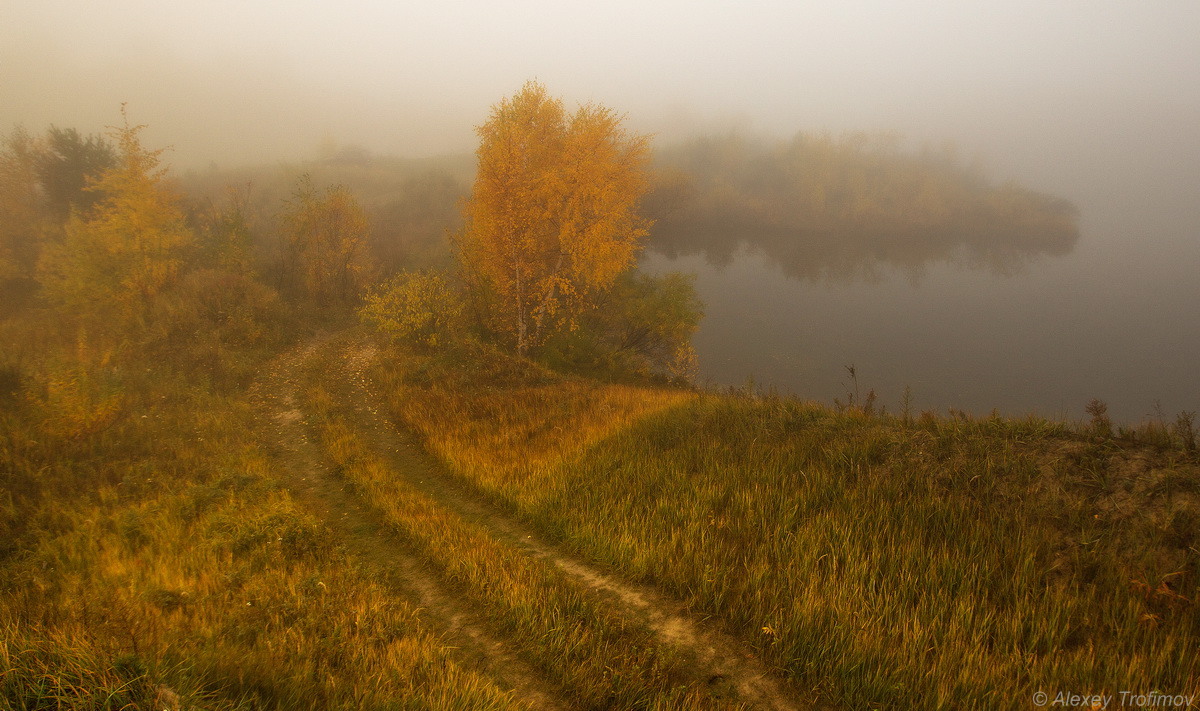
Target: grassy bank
x=152 y=560
x=152 y=557
x=599 y=658
x=941 y=563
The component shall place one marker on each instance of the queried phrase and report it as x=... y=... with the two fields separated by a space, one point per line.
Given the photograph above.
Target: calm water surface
x=1117 y=319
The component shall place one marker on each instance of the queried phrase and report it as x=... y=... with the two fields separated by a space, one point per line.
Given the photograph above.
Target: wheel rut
x=718 y=658
x=369 y=540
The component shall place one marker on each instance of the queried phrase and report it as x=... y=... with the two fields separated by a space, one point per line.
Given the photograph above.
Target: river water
x=1117 y=318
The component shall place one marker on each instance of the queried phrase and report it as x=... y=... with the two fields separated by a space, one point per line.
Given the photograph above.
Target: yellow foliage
x=417 y=307
x=128 y=249
x=553 y=215
x=327 y=239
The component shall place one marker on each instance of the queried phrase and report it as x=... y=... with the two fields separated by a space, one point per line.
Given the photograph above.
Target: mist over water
x=1115 y=318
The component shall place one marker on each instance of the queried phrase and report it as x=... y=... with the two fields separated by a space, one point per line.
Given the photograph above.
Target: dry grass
x=156 y=563
x=153 y=560
x=600 y=658
x=509 y=430
x=947 y=563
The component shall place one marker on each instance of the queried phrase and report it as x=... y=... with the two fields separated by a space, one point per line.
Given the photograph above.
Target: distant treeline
x=411 y=203
x=826 y=206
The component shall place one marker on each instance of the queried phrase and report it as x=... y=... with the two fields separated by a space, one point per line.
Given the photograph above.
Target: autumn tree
x=22 y=218
x=552 y=218
x=224 y=230
x=119 y=256
x=326 y=252
x=42 y=179
x=67 y=166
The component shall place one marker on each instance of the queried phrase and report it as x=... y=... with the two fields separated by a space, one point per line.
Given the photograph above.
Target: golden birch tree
x=552 y=218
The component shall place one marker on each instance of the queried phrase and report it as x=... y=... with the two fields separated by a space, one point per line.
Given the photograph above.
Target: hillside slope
x=879 y=562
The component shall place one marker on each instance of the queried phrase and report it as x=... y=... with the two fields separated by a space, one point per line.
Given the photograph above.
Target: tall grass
x=947 y=563
x=505 y=423
x=600 y=658
x=154 y=562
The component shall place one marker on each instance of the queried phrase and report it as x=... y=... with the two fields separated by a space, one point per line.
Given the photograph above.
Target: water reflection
x=1112 y=321
x=848 y=208
x=818 y=253
x=861 y=256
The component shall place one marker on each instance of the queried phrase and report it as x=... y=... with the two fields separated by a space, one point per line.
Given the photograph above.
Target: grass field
x=156 y=563
x=883 y=563
x=600 y=659
x=154 y=556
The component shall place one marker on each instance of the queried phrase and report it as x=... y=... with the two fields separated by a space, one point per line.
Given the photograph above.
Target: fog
x=1094 y=102
x=1034 y=86
x=1086 y=100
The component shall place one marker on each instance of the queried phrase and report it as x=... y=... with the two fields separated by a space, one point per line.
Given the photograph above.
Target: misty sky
x=1033 y=86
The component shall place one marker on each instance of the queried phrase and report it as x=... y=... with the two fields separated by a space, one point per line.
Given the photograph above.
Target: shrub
x=419 y=308
x=213 y=319
x=642 y=326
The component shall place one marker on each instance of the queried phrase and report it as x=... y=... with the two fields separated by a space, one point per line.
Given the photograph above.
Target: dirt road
x=719 y=662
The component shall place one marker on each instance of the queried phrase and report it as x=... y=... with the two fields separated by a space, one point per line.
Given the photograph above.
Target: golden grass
x=157 y=564
x=945 y=564
x=510 y=439
x=600 y=658
x=153 y=560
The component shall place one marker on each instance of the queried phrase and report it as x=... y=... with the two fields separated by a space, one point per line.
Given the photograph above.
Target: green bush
x=642 y=326
x=419 y=308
